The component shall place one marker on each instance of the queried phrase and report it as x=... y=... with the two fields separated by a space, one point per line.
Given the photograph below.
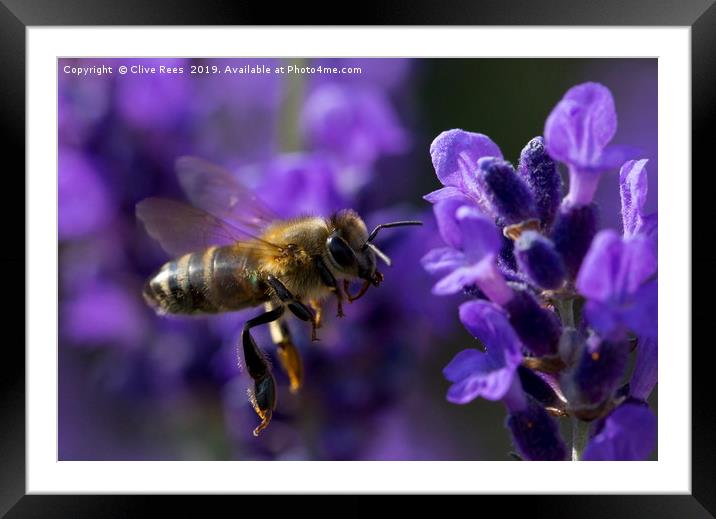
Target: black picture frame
x=17 y=15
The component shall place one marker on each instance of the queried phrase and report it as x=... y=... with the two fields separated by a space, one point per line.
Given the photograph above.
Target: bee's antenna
x=374 y=233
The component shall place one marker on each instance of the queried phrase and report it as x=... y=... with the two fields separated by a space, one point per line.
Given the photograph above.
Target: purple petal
x=641 y=312
x=461 y=277
x=452 y=147
x=465 y=364
x=447 y=193
x=650 y=229
x=605 y=318
x=614 y=268
x=491 y=385
x=633 y=188
x=646 y=369
x=628 y=434
x=489 y=323
x=581 y=125
x=612 y=157
x=637 y=313
x=595 y=279
x=438 y=261
x=480 y=237
x=448 y=225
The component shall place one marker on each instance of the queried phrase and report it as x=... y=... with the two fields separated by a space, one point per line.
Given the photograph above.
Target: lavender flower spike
x=477 y=242
x=577 y=133
x=615 y=279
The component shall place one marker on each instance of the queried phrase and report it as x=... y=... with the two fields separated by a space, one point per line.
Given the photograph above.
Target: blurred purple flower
x=615 y=279
x=627 y=434
x=103 y=314
x=84 y=204
x=82 y=102
x=577 y=133
x=301 y=183
x=236 y=116
x=488 y=374
x=353 y=125
x=138 y=94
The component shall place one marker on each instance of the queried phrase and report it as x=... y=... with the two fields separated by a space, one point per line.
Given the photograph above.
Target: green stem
x=580 y=435
x=566 y=311
x=289 y=132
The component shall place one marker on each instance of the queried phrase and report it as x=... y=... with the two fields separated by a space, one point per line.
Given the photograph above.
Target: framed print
x=411 y=255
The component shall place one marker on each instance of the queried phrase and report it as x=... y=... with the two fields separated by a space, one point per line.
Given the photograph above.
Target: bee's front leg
x=297 y=307
x=317 y=309
x=330 y=281
x=263 y=395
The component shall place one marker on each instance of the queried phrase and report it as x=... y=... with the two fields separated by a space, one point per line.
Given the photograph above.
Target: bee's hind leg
x=297 y=308
x=287 y=353
x=317 y=310
x=263 y=395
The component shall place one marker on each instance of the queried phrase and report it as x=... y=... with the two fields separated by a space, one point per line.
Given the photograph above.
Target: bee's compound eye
x=341 y=252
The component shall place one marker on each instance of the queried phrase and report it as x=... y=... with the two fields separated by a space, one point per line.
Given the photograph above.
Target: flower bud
x=540 y=172
x=538 y=259
x=572 y=234
x=508 y=196
x=538 y=388
x=597 y=374
x=535 y=434
x=538 y=328
x=506 y=257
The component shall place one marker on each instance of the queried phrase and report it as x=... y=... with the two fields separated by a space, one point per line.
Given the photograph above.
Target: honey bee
x=234 y=253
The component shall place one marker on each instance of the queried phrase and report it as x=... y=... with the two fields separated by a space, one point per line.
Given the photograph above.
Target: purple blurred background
x=136 y=386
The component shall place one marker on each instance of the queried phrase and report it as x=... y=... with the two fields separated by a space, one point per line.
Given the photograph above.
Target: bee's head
x=350 y=247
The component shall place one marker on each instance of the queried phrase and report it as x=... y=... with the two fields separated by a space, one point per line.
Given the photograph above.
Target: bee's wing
x=215 y=190
x=180 y=228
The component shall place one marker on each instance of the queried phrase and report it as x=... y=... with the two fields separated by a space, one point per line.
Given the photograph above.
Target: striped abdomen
x=215 y=280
